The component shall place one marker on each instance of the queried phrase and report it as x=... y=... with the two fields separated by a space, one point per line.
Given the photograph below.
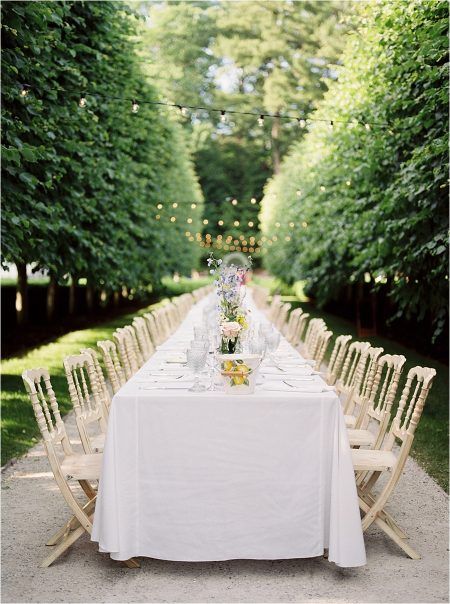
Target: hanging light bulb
x=134 y=107
x=189 y=220
x=348 y=183
x=367 y=126
x=234 y=202
x=236 y=223
x=159 y=206
x=25 y=90
x=220 y=223
x=82 y=102
x=175 y=205
x=261 y=120
x=277 y=224
x=173 y=219
x=193 y=206
x=299 y=193
x=302 y=123
x=223 y=117
x=205 y=221
x=250 y=224
x=183 y=110
x=253 y=200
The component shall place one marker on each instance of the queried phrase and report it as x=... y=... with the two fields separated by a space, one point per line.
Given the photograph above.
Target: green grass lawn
x=18 y=424
x=430 y=446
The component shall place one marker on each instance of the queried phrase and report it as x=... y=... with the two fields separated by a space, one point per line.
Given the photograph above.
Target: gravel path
x=32 y=509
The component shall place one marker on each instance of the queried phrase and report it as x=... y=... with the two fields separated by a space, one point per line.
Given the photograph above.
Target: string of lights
x=184 y=109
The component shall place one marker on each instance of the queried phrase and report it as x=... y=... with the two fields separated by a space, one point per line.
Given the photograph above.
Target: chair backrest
x=282 y=316
x=292 y=323
x=152 y=328
x=355 y=355
x=120 y=338
x=341 y=345
x=85 y=396
x=409 y=411
x=358 y=396
x=114 y=369
x=46 y=410
x=143 y=337
x=320 y=346
x=102 y=386
x=298 y=336
x=274 y=307
x=134 y=352
x=382 y=395
x=312 y=332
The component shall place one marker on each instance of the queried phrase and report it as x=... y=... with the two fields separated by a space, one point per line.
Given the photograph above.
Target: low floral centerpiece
x=232 y=314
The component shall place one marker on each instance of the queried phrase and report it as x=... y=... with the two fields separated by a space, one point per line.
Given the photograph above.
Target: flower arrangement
x=232 y=314
x=237 y=371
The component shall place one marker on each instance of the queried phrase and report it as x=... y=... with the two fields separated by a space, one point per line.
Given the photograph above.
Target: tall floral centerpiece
x=233 y=319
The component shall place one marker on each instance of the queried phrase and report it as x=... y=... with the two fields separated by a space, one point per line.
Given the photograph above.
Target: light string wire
x=303 y=120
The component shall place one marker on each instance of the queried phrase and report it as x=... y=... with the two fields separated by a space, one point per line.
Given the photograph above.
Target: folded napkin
x=296 y=386
x=168 y=385
x=176 y=358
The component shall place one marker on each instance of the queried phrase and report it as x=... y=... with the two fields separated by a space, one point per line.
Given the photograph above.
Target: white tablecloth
x=208 y=476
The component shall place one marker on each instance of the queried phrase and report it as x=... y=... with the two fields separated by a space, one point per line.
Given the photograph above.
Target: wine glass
x=196 y=359
x=272 y=340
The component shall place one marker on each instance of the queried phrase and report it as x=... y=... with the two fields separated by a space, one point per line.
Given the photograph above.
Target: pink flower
x=230 y=329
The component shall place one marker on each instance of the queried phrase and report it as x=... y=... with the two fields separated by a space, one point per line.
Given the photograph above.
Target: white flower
x=230 y=329
x=212 y=271
x=219 y=262
x=210 y=261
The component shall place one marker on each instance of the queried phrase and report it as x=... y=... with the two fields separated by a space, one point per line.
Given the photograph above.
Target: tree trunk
x=51 y=298
x=72 y=295
x=116 y=299
x=89 y=298
x=275 y=135
x=22 y=294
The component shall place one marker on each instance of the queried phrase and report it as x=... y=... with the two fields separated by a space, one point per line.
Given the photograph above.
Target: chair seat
x=350 y=421
x=372 y=461
x=360 y=438
x=82 y=467
x=98 y=442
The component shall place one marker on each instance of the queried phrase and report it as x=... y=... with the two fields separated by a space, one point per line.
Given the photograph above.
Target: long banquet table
x=209 y=476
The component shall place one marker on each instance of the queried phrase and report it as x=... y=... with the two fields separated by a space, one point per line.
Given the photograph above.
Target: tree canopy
x=82 y=184
x=369 y=202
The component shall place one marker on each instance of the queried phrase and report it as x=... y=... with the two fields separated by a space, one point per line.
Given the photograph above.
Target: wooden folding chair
x=87 y=403
x=320 y=346
x=114 y=369
x=376 y=462
x=292 y=323
x=351 y=368
x=67 y=467
x=153 y=329
x=377 y=412
x=143 y=337
x=356 y=401
x=312 y=332
x=102 y=385
x=282 y=316
x=134 y=350
x=299 y=334
x=334 y=368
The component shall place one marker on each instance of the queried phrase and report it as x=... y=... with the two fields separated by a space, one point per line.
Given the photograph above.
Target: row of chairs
x=91 y=395
x=367 y=382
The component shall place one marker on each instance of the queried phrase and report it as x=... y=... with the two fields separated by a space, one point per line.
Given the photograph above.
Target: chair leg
x=397 y=539
x=62 y=546
x=132 y=563
x=370 y=500
x=71 y=524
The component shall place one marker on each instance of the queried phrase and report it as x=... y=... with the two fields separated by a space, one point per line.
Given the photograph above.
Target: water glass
x=196 y=359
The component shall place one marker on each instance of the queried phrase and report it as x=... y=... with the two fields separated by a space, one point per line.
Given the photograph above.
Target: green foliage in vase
x=370 y=202
x=81 y=184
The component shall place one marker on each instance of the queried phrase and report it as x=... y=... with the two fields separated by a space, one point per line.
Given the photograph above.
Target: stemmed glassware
x=272 y=340
x=196 y=359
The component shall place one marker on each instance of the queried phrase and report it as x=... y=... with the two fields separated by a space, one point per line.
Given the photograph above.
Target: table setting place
x=227 y=444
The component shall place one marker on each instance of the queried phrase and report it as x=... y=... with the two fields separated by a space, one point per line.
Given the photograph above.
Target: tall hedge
x=370 y=202
x=81 y=184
